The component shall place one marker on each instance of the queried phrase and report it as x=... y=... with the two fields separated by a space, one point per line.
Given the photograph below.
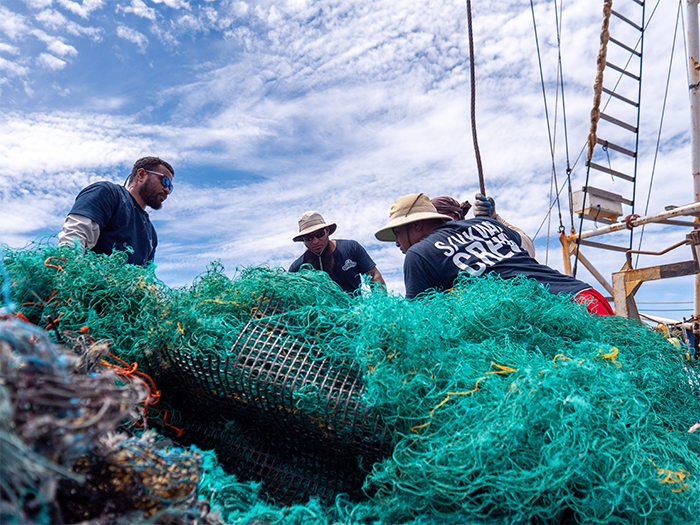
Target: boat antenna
x=480 y=168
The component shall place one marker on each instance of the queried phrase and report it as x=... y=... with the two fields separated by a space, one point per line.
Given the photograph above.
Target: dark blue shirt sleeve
x=97 y=202
x=364 y=261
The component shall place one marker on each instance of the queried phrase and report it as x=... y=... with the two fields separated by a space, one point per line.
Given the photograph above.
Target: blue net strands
x=503 y=402
x=62 y=461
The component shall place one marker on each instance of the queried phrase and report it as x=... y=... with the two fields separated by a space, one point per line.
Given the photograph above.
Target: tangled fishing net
x=493 y=402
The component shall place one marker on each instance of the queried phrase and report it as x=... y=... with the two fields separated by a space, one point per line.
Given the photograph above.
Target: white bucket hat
x=310 y=222
x=406 y=210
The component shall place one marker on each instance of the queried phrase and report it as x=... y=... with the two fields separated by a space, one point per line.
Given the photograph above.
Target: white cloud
x=190 y=23
x=12 y=24
x=13 y=68
x=7 y=48
x=38 y=4
x=174 y=4
x=59 y=48
x=63 y=92
x=51 y=62
x=109 y=104
x=60 y=142
x=134 y=36
x=82 y=10
x=139 y=8
x=95 y=34
x=56 y=20
x=52 y=18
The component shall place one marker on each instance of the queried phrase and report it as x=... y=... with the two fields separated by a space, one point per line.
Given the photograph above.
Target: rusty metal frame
x=627 y=281
x=571 y=245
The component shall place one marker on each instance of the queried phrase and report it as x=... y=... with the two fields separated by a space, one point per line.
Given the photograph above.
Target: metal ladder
x=611 y=178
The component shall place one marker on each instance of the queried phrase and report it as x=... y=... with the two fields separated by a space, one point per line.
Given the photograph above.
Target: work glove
x=484 y=206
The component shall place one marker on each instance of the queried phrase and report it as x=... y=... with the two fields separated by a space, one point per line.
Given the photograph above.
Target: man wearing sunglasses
x=343 y=260
x=108 y=217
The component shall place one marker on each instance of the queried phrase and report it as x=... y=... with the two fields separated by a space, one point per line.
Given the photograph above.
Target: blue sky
x=268 y=109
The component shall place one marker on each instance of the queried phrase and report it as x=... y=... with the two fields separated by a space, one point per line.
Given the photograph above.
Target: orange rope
x=131 y=372
x=46 y=263
x=16 y=315
x=84 y=330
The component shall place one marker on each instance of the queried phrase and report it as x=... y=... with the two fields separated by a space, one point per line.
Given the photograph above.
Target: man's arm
x=525 y=241
x=81 y=229
x=376 y=276
x=366 y=265
x=486 y=207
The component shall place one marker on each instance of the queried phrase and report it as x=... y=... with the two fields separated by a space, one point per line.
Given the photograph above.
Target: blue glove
x=484 y=206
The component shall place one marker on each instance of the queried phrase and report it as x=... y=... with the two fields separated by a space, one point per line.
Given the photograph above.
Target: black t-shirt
x=350 y=260
x=121 y=220
x=476 y=246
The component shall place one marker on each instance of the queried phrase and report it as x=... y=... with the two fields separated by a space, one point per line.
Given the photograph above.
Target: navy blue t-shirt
x=476 y=246
x=350 y=260
x=121 y=220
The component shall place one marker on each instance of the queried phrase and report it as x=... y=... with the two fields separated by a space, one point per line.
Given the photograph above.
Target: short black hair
x=148 y=163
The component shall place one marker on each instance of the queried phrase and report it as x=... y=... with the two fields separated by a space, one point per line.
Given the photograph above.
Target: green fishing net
x=493 y=402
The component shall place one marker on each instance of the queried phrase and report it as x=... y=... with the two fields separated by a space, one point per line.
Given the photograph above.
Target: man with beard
x=344 y=260
x=108 y=217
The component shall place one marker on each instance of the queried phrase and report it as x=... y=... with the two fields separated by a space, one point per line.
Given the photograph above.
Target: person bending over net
x=438 y=249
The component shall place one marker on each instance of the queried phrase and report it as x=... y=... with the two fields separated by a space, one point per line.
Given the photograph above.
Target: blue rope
x=7 y=302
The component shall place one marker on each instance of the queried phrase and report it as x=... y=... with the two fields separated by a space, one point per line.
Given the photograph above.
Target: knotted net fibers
x=63 y=462
x=505 y=402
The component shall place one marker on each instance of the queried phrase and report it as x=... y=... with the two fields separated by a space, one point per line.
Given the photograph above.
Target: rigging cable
x=546 y=111
x=558 y=18
x=480 y=169
x=661 y=123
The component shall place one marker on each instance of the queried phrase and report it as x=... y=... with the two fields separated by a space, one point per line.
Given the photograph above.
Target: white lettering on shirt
x=477 y=248
x=461 y=260
x=449 y=251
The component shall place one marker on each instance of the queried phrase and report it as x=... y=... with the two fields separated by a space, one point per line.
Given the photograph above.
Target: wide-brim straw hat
x=406 y=210
x=310 y=222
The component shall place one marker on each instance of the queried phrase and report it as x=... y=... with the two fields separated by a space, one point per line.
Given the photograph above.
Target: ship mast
x=694 y=92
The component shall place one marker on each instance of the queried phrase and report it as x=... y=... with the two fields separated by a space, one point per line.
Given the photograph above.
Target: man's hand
x=376 y=277
x=484 y=206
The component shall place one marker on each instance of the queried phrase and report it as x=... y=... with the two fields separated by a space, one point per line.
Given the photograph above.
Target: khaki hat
x=406 y=210
x=310 y=222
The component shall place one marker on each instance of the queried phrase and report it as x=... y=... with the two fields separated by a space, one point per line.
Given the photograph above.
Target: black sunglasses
x=311 y=236
x=165 y=180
